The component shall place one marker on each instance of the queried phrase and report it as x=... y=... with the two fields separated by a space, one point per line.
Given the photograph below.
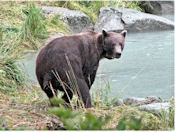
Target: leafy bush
x=74 y=120
x=131 y=124
x=77 y=120
x=92 y=122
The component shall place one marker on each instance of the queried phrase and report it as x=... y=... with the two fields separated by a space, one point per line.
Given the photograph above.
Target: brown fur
x=84 y=52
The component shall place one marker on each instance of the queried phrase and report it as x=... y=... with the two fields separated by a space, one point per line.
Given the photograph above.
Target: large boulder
x=158 y=7
x=76 y=20
x=116 y=19
x=110 y=20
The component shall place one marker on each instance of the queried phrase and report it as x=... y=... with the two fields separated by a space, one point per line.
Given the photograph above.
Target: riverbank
x=24 y=106
x=25 y=111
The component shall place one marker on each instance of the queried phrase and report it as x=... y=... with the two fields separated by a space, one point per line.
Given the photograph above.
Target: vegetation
x=25 y=28
x=101 y=95
x=103 y=118
x=23 y=106
x=11 y=76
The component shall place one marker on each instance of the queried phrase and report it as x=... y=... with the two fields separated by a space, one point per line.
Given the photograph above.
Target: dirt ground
x=31 y=116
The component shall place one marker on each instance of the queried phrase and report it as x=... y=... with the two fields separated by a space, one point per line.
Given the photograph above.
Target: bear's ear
x=124 y=32
x=105 y=34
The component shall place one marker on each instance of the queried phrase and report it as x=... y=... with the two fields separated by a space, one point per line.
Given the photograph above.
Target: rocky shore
x=110 y=19
x=152 y=104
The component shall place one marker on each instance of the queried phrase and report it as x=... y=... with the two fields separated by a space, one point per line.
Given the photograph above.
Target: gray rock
x=153 y=99
x=76 y=20
x=109 y=20
x=167 y=7
x=156 y=108
x=132 y=20
x=133 y=101
x=158 y=7
x=152 y=7
x=119 y=102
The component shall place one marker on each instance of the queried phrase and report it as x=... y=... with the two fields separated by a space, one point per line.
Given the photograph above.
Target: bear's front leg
x=84 y=91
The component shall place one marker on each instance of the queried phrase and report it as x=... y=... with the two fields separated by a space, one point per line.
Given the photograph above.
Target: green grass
x=33 y=27
x=100 y=96
x=1 y=34
x=56 y=25
x=11 y=76
x=23 y=27
x=34 y=24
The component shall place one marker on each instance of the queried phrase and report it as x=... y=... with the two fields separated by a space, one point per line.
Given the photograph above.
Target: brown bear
x=79 y=53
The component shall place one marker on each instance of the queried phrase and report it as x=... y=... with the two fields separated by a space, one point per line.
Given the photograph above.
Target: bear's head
x=113 y=44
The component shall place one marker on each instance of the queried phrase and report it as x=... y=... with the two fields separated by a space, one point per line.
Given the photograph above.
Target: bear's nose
x=118 y=54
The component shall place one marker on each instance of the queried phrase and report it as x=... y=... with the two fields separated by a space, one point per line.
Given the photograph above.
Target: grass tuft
x=34 y=25
x=11 y=76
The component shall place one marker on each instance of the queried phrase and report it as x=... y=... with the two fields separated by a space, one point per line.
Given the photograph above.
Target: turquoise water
x=145 y=68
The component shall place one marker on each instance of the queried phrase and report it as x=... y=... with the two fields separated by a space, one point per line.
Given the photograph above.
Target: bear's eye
x=113 y=45
x=120 y=44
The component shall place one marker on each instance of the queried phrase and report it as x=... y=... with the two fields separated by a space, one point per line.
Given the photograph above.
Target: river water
x=146 y=67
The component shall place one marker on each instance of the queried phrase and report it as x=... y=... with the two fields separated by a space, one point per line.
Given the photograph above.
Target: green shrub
x=92 y=122
x=131 y=124
x=75 y=120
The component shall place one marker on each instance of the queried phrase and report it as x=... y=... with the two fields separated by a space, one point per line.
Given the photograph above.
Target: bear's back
x=75 y=46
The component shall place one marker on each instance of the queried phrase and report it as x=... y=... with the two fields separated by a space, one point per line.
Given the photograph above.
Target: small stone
x=119 y=102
